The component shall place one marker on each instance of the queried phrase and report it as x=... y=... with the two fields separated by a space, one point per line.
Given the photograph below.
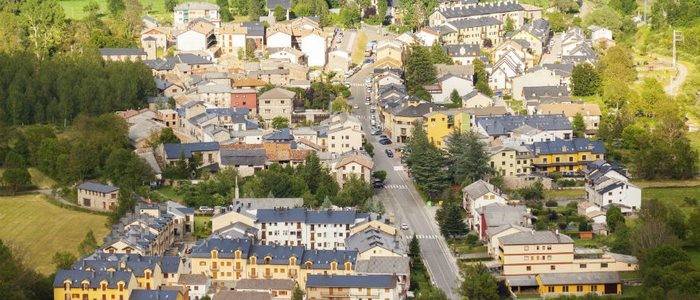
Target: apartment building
x=277 y=102
x=352 y=287
x=568 y=157
x=188 y=11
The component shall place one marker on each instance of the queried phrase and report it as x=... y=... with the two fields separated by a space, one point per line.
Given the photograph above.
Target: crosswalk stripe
x=426 y=237
x=397 y=186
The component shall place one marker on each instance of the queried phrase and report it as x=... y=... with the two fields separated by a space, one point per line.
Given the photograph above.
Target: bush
x=381 y=175
x=690 y=201
x=551 y=203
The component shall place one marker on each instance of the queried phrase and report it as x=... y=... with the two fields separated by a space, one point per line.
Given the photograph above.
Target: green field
x=39 y=179
x=40 y=229
x=156 y=8
x=564 y=193
x=674 y=195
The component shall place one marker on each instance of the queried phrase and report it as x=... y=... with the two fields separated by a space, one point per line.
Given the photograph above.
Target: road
x=677 y=81
x=401 y=198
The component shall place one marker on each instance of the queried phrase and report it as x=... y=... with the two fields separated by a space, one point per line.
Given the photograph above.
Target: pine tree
x=456 y=99
x=427 y=163
x=467 y=157
x=585 y=80
x=414 y=248
x=451 y=220
x=438 y=55
x=419 y=68
x=578 y=126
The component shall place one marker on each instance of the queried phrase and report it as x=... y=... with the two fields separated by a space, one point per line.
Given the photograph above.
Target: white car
x=355 y=106
x=404 y=226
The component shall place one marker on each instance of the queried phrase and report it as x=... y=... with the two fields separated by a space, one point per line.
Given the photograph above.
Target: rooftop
x=352 y=281
x=536 y=237
x=97 y=187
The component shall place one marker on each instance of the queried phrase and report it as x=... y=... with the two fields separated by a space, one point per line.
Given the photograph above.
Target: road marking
x=398 y=168
x=397 y=187
x=427 y=237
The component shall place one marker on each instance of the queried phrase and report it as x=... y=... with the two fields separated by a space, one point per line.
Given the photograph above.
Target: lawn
x=564 y=194
x=40 y=229
x=156 y=8
x=360 y=44
x=202 y=226
x=39 y=179
x=169 y=193
x=674 y=195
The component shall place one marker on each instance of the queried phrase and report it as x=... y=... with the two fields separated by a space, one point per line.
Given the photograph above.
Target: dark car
x=385 y=141
x=389 y=153
x=377 y=184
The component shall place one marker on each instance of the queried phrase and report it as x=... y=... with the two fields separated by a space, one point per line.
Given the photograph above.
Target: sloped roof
x=122 y=51
x=277 y=93
x=174 y=151
x=575 y=145
x=97 y=187
x=354 y=281
x=536 y=237
x=579 y=278
x=479 y=188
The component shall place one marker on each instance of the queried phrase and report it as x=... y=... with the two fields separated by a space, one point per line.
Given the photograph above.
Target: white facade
x=314 y=47
x=427 y=38
x=540 y=77
x=279 y=40
x=191 y=40
x=452 y=83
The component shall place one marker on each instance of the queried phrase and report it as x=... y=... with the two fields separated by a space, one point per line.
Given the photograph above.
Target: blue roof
x=568 y=146
x=93 y=277
x=353 y=281
x=170 y=264
x=277 y=253
x=225 y=247
x=154 y=295
x=301 y=214
x=174 y=151
x=331 y=217
x=502 y=125
x=97 y=187
x=281 y=215
x=283 y=134
x=321 y=259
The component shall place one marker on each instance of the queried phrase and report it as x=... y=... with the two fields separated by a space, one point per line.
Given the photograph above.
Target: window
x=527 y=248
x=565 y=289
x=582 y=266
x=579 y=288
x=528 y=268
x=594 y=288
x=550 y=289
x=604 y=265
x=552 y=267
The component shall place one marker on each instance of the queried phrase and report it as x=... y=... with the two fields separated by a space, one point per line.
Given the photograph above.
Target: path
x=673 y=87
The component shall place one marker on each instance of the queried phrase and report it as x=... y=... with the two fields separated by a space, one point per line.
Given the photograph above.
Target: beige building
x=277 y=102
x=352 y=287
x=589 y=111
x=510 y=160
x=230 y=38
x=97 y=196
x=354 y=163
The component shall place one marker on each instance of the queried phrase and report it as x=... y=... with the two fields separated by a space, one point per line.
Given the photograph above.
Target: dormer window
x=292 y=261
x=268 y=260
x=348 y=266
x=103 y=286
x=334 y=266
x=308 y=265
x=86 y=285
x=214 y=254
x=238 y=254
x=253 y=260
x=121 y=286
x=66 y=286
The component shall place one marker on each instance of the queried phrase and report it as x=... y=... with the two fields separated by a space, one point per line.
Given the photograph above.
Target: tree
x=451 y=220
x=510 y=25
x=481 y=78
x=355 y=192
x=18 y=280
x=369 y=148
x=297 y=294
x=419 y=68
x=43 y=23
x=427 y=163
x=693 y=238
x=127 y=170
x=614 y=218
x=340 y=104
x=115 y=6
x=63 y=260
x=456 y=99
x=414 y=248
x=167 y=136
x=584 y=80
x=578 y=126
x=478 y=283
x=381 y=175
x=280 y=122
x=16 y=179
x=170 y=5
x=224 y=11
x=626 y=7
x=467 y=157
x=668 y=270
x=88 y=244
x=438 y=55
x=280 y=13
x=556 y=21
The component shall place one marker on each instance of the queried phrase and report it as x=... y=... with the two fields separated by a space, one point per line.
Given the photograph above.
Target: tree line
x=58 y=89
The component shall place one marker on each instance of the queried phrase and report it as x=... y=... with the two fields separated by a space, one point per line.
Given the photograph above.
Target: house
x=340 y=58
x=450 y=83
x=398 y=266
x=537 y=34
x=599 y=283
x=519 y=46
x=494 y=215
x=550 y=126
x=198 y=35
x=231 y=39
x=255 y=32
x=400 y=120
x=510 y=159
x=123 y=54
x=279 y=37
x=197 y=285
x=589 y=111
x=290 y=54
x=372 y=242
x=440 y=124
x=539 y=95
x=463 y=54
x=567 y=157
x=427 y=36
x=354 y=163
x=608 y=185
x=183 y=13
x=154 y=41
x=208 y=151
x=505 y=69
x=271 y=5
x=277 y=102
x=601 y=36
x=493 y=235
x=97 y=196
x=389 y=53
x=281 y=153
x=477 y=195
x=353 y=287
x=476 y=99
x=313 y=45
x=501 y=11
x=484 y=31
x=536 y=78
x=279 y=289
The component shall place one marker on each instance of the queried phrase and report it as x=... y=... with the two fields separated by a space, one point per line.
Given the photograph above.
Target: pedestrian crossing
x=427 y=237
x=396 y=186
x=357 y=84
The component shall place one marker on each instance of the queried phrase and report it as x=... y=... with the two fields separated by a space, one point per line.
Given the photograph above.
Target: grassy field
x=674 y=195
x=156 y=8
x=40 y=229
x=566 y=193
x=39 y=179
x=360 y=44
x=202 y=226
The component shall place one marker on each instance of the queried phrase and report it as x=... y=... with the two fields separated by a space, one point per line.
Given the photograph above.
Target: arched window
x=348 y=266
x=334 y=265
x=252 y=260
x=308 y=265
x=268 y=260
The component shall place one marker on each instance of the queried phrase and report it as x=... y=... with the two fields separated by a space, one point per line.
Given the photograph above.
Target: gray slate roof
x=536 y=237
x=174 y=151
x=352 y=281
x=243 y=157
x=481 y=10
x=153 y=295
x=568 y=146
x=479 y=188
x=384 y=265
x=286 y=4
x=122 y=51
x=97 y=187
x=579 y=278
x=502 y=125
x=372 y=237
x=462 y=50
x=537 y=92
x=94 y=277
x=254 y=29
x=265 y=284
x=475 y=22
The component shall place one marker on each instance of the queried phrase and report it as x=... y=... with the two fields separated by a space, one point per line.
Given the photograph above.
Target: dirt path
x=673 y=87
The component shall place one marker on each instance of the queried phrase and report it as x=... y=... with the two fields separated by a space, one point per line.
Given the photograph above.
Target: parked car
x=383 y=136
x=377 y=184
x=385 y=141
x=404 y=226
x=375 y=132
x=389 y=153
x=206 y=210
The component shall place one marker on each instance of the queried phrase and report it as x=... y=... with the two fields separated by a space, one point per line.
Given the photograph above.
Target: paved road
x=401 y=198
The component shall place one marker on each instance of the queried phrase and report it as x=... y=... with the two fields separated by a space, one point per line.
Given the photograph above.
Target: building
x=590 y=112
x=353 y=287
x=599 y=283
x=495 y=215
x=279 y=289
x=398 y=266
x=608 y=185
x=399 y=121
x=188 y=11
x=245 y=98
x=352 y=164
x=510 y=159
x=98 y=196
x=208 y=151
x=313 y=45
x=123 y=54
x=463 y=54
x=223 y=259
x=476 y=195
x=198 y=35
x=231 y=39
x=568 y=157
x=373 y=242
x=501 y=11
x=197 y=285
x=440 y=124
x=449 y=83
x=550 y=126
x=484 y=31
x=277 y=102
x=93 y=284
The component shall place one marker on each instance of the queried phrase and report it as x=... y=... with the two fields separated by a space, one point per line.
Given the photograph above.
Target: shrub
x=551 y=203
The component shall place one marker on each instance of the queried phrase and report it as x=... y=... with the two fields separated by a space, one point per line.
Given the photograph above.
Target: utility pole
x=645 y=12
x=677 y=37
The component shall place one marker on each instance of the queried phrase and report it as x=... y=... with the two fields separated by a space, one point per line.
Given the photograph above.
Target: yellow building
x=439 y=124
x=399 y=121
x=566 y=156
x=510 y=160
x=558 y=284
x=233 y=259
x=93 y=285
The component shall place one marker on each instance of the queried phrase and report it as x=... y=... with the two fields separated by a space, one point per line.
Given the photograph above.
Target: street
x=401 y=198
